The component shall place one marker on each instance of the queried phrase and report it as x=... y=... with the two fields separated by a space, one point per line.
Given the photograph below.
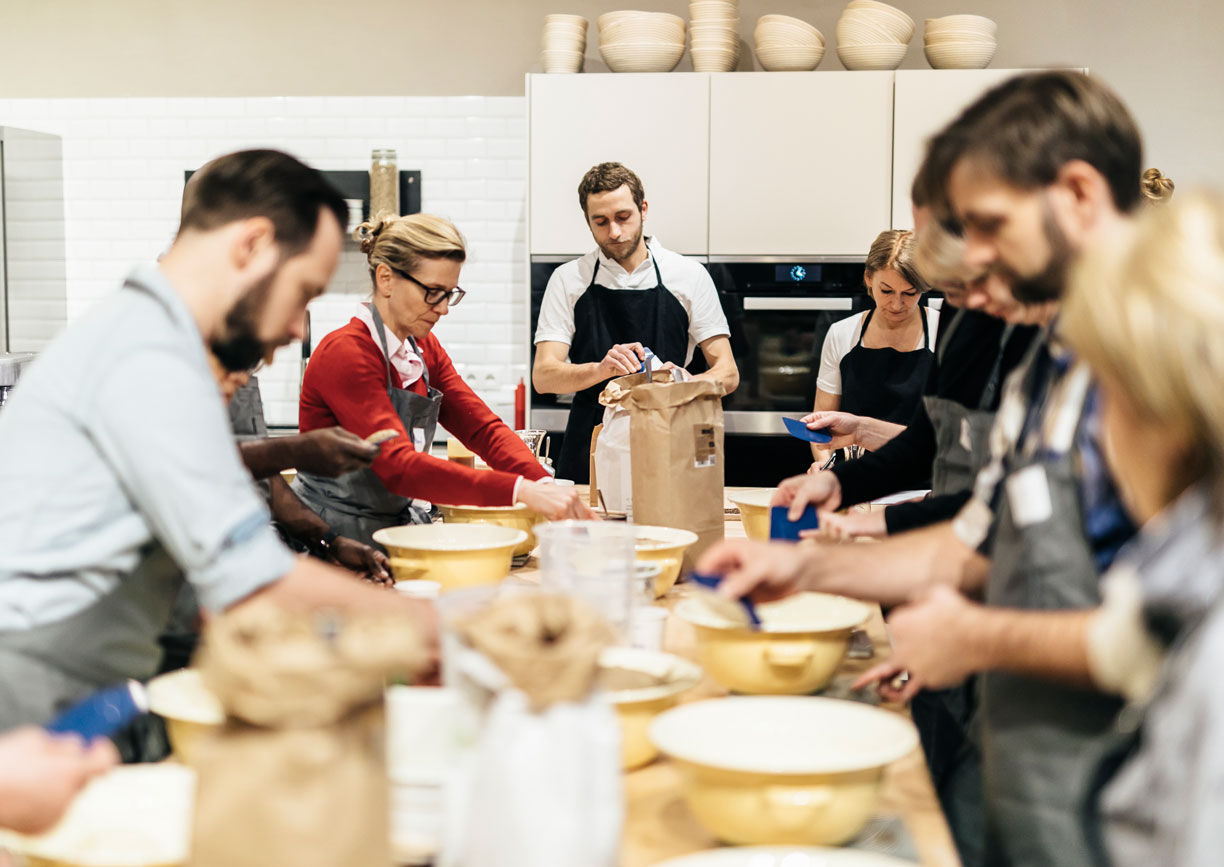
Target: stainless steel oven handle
x=798 y=304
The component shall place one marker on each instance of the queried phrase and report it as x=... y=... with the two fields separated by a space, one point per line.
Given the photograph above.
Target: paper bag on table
x=610 y=458
x=542 y=786
x=297 y=773
x=669 y=435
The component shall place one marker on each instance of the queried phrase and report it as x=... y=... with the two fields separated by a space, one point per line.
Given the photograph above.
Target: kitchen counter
x=658 y=825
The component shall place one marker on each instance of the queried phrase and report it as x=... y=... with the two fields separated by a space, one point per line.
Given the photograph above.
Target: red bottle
x=520 y=406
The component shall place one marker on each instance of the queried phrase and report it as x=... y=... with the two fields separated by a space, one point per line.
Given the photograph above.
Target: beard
x=238 y=346
x=614 y=251
x=1051 y=282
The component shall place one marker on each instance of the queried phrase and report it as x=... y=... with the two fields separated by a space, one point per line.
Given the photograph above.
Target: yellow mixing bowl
x=754 y=507
x=517 y=517
x=782 y=770
x=800 y=644
x=190 y=710
x=665 y=546
x=642 y=684
x=454 y=555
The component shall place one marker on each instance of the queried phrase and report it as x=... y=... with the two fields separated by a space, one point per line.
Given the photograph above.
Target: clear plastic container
x=594 y=561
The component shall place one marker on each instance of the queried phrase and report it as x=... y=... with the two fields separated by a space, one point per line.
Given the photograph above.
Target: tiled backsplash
x=123 y=178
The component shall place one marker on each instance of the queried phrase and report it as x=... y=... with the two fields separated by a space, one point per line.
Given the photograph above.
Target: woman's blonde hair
x=1146 y=310
x=894 y=249
x=1156 y=188
x=402 y=242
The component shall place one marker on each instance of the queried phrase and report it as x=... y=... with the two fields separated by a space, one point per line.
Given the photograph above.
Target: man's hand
x=763 y=570
x=554 y=502
x=622 y=359
x=41 y=773
x=931 y=640
x=821 y=490
x=357 y=557
x=332 y=451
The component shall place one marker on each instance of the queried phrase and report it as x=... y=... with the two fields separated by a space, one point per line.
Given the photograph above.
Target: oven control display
x=797 y=274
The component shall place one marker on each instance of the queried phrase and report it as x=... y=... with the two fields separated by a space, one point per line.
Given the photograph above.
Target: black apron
x=1039 y=737
x=604 y=317
x=357 y=504
x=885 y=383
x=962 y=434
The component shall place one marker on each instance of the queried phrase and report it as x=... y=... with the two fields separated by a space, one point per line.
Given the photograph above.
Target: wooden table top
x=658 y=825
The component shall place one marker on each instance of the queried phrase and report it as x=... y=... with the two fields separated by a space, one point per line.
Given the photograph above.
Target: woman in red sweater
x=384 y=369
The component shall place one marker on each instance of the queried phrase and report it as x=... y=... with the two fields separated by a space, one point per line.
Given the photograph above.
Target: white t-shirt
x=683 y=277
x=843 y=336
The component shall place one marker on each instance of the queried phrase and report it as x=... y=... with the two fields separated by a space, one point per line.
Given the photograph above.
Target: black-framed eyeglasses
x=433 y=295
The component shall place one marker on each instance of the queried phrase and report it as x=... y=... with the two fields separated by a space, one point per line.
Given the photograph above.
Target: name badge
x=1028 y=495
x=966 y=435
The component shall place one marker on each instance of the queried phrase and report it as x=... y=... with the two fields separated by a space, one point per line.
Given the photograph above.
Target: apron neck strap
x=382 y=336
x=863 y=327
x=992 y=382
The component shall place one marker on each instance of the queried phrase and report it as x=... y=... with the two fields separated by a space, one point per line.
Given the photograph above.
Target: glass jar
x=384 y=184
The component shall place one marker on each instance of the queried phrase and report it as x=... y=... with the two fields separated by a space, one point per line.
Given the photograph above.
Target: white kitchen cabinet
x=656 y=124
x=926 y=100
x=800 y=163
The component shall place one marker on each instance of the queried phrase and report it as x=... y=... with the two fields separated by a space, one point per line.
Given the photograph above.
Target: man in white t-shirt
x=601 y=312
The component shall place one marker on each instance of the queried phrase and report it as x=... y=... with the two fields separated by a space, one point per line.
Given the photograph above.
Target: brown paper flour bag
x=676 y=448
x=297 y=774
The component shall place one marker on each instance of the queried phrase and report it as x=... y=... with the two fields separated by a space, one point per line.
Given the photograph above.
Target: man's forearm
x=563 y=377
x=293 y=515
x=1051 y=645
x=725 y=372
x=267 y=456
x=895 y=569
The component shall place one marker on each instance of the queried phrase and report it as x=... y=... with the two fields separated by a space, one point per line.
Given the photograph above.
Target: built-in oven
x=779 y=312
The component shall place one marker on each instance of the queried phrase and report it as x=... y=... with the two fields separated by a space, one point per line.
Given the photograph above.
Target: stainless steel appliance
x=11 y=365
x=779 y=311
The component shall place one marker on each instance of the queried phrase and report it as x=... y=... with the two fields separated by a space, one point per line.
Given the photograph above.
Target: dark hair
x=261 y=183
x=606 y=177
x=1027 y=128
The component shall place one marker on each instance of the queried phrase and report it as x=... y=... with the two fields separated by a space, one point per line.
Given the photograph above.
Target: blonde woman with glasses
x=386 y=370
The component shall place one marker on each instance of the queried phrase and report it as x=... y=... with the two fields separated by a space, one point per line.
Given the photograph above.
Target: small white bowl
x=879 y=56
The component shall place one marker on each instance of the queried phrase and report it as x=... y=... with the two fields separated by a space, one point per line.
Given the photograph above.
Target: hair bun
x=366 y=234
x=1156 y=186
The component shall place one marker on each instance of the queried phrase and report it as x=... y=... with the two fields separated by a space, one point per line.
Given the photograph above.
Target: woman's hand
x=844 y=427
x=40 y=774
x=838 y=527
x=554 y=502
x=821 y=490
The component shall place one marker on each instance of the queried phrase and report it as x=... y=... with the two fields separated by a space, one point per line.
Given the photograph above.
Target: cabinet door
x=656 y=124
x=800 y=162
x=925 y=101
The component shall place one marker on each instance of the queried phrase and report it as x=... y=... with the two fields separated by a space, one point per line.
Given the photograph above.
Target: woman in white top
x=874 y=364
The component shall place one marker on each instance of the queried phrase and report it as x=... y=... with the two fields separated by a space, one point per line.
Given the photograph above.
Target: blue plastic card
x=711 y=582
x=783 y=528
x=801 y=431
x=103 y=713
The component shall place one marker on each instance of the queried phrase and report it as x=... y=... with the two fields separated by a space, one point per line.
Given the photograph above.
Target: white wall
x=123 y=180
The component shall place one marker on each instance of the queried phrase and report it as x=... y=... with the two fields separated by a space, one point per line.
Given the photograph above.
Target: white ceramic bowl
x=972 y=23
x=642 y=57
x=789 y=60
x=133 y=815
x=784 y=856
x=782 y=770
x=898 y=23
x=883 y=56
x=960 y=55
x=714 y=59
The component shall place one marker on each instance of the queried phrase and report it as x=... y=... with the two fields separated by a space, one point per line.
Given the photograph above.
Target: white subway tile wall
x=123 y=178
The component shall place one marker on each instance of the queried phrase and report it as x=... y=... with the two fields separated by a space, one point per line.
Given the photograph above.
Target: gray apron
x=357 y=504
x=1039 y=738
x=46 y=669
x=962 y=435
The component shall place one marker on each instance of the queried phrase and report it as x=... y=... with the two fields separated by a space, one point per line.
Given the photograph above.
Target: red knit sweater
x=346 y=385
